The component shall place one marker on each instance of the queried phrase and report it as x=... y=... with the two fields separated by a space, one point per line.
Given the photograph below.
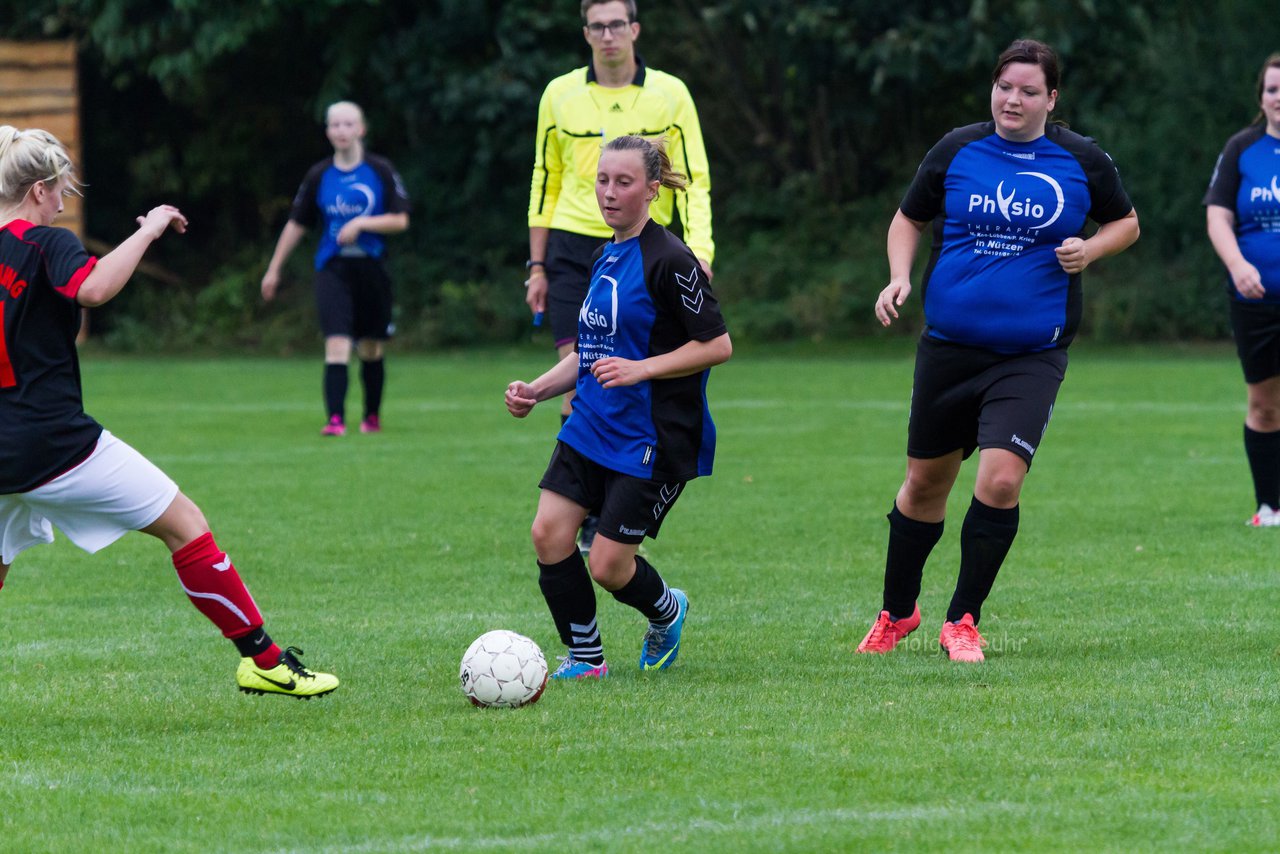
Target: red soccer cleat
x=962 y=641
x=886 y=632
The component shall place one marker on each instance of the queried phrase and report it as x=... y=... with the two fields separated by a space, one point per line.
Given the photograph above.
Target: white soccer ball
x=504 y=670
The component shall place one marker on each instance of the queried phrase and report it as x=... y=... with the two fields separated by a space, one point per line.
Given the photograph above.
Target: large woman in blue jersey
x=649 y=331
x=1243 y=215
x=1008 y=200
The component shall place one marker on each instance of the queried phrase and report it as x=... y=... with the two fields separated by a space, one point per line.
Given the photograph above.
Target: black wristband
x=530 y=264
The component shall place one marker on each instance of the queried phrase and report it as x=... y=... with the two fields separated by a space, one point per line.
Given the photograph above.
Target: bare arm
x=903 y=240
x=536 y=282
x=521 y=397
x=112 y=272
x=689 y=358
x=1221 y=224
x=387 y=223
x=289 y=239
x=1111 y=238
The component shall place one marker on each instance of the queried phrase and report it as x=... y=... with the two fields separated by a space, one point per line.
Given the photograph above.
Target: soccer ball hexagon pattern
x=502 y=669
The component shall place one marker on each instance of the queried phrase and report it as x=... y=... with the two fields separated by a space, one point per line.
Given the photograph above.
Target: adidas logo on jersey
x=616 y=108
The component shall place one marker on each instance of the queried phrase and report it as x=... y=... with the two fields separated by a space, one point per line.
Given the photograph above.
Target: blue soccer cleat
x=662 y=645
x=572 y=668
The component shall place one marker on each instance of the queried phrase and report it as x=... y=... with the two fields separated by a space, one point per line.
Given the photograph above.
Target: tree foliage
x=816 y=114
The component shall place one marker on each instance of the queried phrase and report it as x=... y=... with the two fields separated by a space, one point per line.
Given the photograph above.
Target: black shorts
x=630 y=508
x=1256 y=328
x=353 y=299
x=965 y=398
x=568 y=278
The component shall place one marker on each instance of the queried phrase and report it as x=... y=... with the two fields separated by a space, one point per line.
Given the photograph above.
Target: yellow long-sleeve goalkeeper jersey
x=576 y=116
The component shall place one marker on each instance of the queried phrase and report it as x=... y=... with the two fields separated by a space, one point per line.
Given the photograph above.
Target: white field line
x=738 y=822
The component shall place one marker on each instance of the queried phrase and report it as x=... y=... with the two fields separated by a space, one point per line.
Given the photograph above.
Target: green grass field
x=1128 y=702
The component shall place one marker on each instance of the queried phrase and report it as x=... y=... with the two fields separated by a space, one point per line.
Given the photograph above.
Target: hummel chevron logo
x=692 y=300
x=667 y=493
x=224 y=564
x=690 y=281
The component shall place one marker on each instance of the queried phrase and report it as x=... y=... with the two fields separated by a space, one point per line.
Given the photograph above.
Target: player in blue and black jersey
x=1008 y=200
x=58 y=466
x=614 y=95
x=1243 y=216
x=649 y=331
x=359 y=198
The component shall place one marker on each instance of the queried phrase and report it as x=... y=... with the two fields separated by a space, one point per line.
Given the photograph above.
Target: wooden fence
x=38 y=89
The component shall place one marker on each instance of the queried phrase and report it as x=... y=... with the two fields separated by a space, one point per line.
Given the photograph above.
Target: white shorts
x=114 y=491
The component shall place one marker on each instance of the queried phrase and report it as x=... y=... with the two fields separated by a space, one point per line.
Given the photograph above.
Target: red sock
x=215 y=588
x=269 y=659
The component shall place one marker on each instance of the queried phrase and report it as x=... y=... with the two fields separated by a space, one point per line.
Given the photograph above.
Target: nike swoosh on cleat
x=288 y=686
x=657 y=665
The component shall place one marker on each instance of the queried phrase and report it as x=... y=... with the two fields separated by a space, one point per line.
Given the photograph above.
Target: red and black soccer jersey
x=44 y=429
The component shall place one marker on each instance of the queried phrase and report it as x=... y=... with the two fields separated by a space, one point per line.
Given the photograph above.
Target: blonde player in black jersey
x=58 y=466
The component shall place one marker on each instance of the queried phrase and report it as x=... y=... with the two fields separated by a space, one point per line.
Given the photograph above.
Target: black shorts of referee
x=1256 y=328
x=966 y=397
x=568 y=278
x=354 y=298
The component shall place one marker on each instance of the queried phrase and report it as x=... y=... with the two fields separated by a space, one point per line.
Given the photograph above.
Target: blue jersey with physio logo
x=648 y=296
x=335 y=196
x=999 y=210
x=1246 y=181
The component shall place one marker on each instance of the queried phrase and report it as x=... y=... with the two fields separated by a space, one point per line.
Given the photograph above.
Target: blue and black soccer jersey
x=648 y=296
x=337 y=197
x=1246 y=181
x=999 y=210
x=44 y=428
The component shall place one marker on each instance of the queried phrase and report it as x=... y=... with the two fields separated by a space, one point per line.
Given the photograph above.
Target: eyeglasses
x=616 y=27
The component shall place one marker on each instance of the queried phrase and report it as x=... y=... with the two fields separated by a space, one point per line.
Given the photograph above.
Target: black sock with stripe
x=648 y=594
x=572 y=600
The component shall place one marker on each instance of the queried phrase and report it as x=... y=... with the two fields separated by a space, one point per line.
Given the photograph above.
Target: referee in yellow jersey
x=615 y=95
